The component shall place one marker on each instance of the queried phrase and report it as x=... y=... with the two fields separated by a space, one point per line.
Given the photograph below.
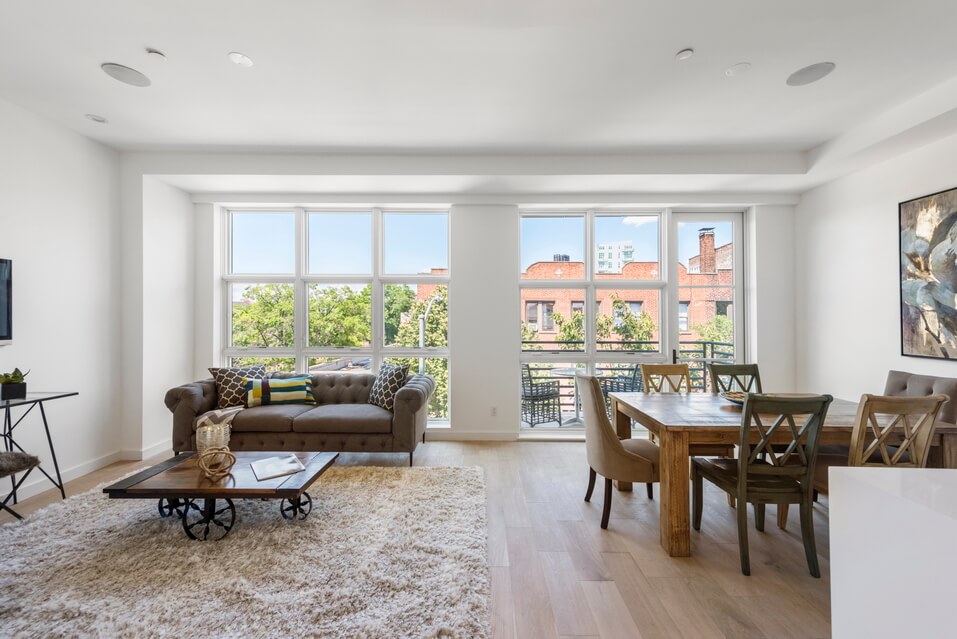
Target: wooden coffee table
x=180 y=487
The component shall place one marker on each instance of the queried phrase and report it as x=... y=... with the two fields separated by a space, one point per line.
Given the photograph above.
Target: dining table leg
x=623 y=429
x=948 y=444
x=674 y=514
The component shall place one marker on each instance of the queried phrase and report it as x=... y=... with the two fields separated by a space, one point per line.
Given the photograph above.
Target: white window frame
x=302 y=352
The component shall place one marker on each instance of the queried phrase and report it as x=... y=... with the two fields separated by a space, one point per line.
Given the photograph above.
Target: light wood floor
x=555 y=573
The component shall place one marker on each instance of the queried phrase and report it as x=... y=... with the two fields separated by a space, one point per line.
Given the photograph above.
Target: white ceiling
x=496 y=76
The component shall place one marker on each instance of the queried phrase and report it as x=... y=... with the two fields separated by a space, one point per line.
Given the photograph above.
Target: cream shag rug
x=386 y=552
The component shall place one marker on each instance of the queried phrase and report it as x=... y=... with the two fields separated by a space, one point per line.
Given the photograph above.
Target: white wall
x=484 y=331
x=848 y=306
x=770 y=295
x=59 y=222
x=169 y=268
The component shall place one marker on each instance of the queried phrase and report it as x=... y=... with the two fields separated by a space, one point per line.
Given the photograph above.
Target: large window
x=594 y=284
x=344 y=291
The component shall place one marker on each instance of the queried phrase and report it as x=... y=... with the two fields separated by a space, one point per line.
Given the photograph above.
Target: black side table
x=31 y=401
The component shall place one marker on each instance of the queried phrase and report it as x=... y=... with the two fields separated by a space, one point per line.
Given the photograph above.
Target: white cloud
x=639 y=220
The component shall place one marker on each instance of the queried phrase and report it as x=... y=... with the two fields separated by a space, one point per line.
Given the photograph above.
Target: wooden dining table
x=681 y=420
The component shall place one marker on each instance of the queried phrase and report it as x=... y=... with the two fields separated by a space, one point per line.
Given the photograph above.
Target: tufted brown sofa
x=342 y=419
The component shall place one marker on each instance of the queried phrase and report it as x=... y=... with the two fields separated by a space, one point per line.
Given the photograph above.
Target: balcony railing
x=696 y=353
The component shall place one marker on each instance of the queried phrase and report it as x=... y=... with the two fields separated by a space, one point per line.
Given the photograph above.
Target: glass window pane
x=356 y=364
x=627 y=320
x=410 y=308
x=415 y=243
x=262 y=315
x=626 y=247
x=705 y=254
x=709 y=336
x=340 y=243
x=552 y=319
x=438 y=368
x=340 y=314
x=553 y=248
x=263 y=242
x=272 y=364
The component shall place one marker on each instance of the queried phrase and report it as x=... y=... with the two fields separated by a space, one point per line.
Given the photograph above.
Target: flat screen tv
x=6 y=301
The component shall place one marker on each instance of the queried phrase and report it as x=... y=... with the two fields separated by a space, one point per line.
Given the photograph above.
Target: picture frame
x=928 y=275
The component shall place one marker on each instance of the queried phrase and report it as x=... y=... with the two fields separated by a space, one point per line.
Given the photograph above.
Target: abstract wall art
x=928 y=273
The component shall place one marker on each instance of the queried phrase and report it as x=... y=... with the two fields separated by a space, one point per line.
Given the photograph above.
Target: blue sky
x=542 y=237
x=339 y=243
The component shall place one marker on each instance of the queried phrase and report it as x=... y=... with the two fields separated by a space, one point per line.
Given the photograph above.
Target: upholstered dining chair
x=726 y=378
x=888 y=431
x=12 y=463
x=628 y=460
x=666 y=378
x=762 y=475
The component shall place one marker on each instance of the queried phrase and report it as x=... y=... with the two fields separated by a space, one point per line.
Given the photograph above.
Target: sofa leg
x=410 y=459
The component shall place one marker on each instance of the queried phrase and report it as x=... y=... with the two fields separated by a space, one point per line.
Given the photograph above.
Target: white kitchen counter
x=893 y=552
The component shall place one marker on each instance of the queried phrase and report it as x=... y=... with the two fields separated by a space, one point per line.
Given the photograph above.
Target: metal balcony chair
x=630 y=382
x=761 y=475
x=541 y=401
x=12 y=463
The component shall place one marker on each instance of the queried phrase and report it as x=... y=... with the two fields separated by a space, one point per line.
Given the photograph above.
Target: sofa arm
x=187 y=402
x=412 y=412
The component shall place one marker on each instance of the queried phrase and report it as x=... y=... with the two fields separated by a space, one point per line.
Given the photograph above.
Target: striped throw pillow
x=272 y=391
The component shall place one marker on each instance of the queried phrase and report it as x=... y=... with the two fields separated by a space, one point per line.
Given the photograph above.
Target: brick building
x=711 y=267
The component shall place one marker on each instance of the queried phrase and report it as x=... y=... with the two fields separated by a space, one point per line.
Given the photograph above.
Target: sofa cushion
x=268 y=419
x=344 y=418
x=231 y=384
x=387 y=383
x=267 y=392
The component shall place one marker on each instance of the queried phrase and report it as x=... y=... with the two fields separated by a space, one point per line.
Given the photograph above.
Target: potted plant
x=12 y=385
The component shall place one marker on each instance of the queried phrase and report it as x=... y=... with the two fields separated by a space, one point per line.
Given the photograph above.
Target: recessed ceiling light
x=684 y=54
x=99 y=119
x=241 y=59
x=156 y=54
x=737 y=69
x=810 y=74
x=125 y=74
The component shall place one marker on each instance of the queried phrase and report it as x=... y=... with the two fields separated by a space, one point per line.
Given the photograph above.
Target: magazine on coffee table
x=273 y=467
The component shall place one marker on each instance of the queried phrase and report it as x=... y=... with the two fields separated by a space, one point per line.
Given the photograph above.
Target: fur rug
x=386 y=552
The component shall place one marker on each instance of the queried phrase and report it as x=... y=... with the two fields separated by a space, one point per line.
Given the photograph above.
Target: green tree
x=398 y=302
x=265 y=317
x=635 y=330
x=719 y=328
x=340 y=316
x=436 y=334
x=529 y=335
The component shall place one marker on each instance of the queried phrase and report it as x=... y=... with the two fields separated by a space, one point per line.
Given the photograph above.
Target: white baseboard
x=164 y=446
x=451 y=435
x=37 y=483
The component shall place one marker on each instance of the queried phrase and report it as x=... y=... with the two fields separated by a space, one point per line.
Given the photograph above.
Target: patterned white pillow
x=387 y=383
x=231 y=384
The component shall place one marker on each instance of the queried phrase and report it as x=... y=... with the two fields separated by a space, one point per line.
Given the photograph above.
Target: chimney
x=706 y=250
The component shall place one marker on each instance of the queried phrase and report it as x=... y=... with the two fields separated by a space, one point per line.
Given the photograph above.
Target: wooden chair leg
x=731 y=500
x=697 y=493
x=591 y=483
x=742 y=511
x=783 y=516
x=606 y=511
x=807 y=534
x=759 y=517
x=651 y=490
